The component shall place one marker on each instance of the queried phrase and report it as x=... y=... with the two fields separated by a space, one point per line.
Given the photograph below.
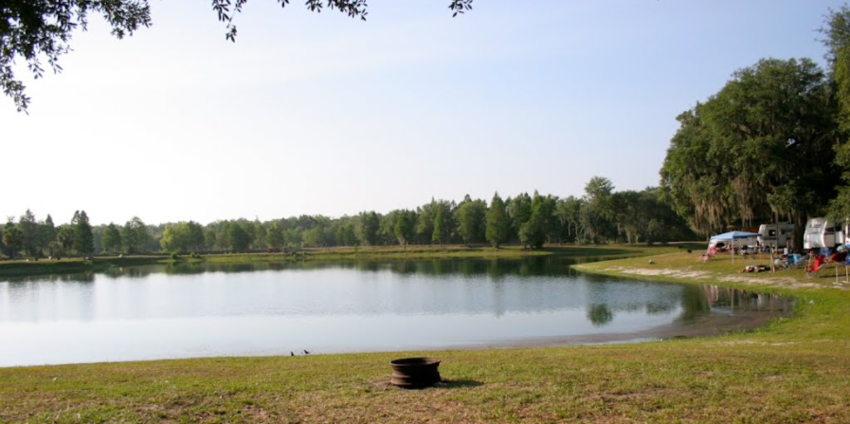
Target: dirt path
x=689 y=274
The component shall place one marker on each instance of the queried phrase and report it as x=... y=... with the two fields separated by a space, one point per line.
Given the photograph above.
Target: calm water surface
x=197 y=310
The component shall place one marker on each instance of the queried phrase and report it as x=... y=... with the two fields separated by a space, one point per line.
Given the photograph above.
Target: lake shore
x=792 y=370
x=22 y=268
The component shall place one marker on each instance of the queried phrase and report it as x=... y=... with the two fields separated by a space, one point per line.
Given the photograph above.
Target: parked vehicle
x=823 y=233
x=776 y=235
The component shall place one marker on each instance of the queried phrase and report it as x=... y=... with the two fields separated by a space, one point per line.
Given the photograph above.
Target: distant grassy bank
x=99 y=263
x=794 y=371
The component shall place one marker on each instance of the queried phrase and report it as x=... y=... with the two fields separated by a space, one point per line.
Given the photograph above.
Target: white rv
x=776 y=235
x=822 y=233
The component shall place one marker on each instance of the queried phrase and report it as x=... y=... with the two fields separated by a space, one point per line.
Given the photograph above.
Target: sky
x=323 y=114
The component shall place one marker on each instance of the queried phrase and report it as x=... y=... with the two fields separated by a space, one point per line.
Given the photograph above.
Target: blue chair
x=794 y=261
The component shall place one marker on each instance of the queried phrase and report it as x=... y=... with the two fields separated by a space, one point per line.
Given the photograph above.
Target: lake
x=197 y=310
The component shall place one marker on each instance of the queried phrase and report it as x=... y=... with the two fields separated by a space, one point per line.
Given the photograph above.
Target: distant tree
x=260 y=236
x=443 y=222
x=195 y=235
x=29 y=234
x=497 y=221
x=210 y=238
x=386 y=227
x=346 y=235
x=47 y=234
x=598 y=213
x=519 y=212
x=314 y=237
x=274 y=236
x=367 y=228
x=470 y=216
x=437 y=236
x=250 y=231
x=237 y=238
x=172 y=239
x=83 y=237
x=65 y=238
x=292 y=237
x=659 y=222
x=405 y=227
x=627 y=214
x=111 y=240
x=182 y=237
x=13 y=239
x=425 y=221
x=534 y=231
x=568 y=214
x=134 y=235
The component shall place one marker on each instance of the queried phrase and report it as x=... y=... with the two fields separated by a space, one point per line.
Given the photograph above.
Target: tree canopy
x=529 y=220
x=837 y=42
x=761 y=148
x=39 y=31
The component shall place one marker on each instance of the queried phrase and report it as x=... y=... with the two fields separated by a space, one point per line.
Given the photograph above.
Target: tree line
x=770 y=146
x=601 y=215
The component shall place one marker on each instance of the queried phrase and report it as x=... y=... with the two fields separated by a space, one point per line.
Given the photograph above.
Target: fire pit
x=413 y=373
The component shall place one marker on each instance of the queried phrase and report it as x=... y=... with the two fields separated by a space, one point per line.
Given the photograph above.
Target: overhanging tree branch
x=38 y=31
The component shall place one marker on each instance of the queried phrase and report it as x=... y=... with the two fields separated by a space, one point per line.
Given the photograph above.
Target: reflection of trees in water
x=733 y=300
x=183 y=269
x=468 y=268
x=82 y=277
x=659 y=308
x=494 y=269
x=403 y=267
x=77 y=277
x=700 y=302
x=367 y=266
x=599 y=314
x=694 y=304
x=605 y=295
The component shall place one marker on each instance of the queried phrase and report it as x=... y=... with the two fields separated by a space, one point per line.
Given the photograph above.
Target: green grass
x=796 y=370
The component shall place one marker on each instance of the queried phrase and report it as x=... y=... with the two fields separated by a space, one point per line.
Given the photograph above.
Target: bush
x=175 y=256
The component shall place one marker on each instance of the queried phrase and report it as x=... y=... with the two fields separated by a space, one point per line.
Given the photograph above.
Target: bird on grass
x=291 y=353
x=306 y=352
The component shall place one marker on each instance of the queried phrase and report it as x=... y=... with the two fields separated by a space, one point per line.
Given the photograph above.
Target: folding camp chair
x=793 y=261
x=815 y=264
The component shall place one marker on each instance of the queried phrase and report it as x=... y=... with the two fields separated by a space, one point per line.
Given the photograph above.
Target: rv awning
x=732 y=235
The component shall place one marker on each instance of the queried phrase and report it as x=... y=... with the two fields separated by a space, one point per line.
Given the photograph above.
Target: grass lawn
x=797 y=370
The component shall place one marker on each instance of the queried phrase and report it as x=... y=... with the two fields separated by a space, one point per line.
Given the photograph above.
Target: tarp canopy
x=733 y=235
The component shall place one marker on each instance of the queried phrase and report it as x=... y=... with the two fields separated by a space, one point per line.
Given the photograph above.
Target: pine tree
x=83 y=236
x=497 y=221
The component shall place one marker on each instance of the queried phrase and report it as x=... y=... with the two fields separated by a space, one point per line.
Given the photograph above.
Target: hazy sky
x=322 y=114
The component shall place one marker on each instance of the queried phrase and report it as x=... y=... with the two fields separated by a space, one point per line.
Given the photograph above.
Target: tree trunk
x=799 y=230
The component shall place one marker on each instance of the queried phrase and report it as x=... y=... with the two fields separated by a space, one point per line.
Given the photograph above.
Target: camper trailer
x=822 y=233
x=776 y=235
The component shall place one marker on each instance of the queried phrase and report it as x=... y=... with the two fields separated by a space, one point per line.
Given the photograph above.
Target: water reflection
x=206 y=309
x=599 y=315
